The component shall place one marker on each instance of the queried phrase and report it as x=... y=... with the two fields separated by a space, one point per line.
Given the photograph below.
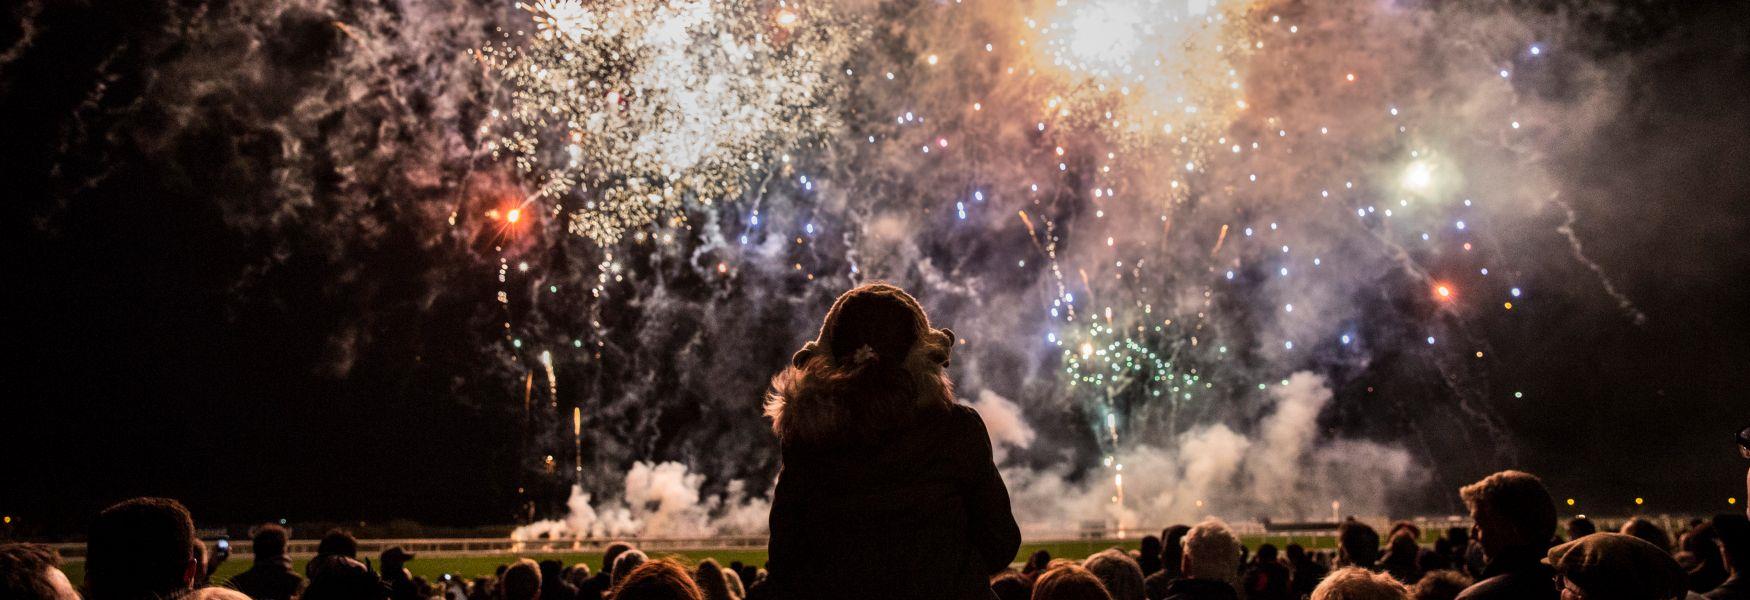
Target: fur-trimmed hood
x=829 y=396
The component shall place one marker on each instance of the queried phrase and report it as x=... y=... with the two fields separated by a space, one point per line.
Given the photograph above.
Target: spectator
x=338 y=542
x=869 y=401
x=1733 y=532
x=1443 y=584
x=1400 y=558
x=1037 y=563
x=1617 y=567
x=1700 y=557
x=1210 y=562
x=394 y=570
x=553 y=583
x=1011 y=585
x=1355 y=583
x=1648 y=532
x=271 y=576
x=339 y=577
x=1306 y=572
x=733 y=580
x=141 y=549
x=32 y=572
x=522 y=581
x=1069 y=582
x=656 y=580
x=1149 y=555
x=1118 y=572
x=1357 y=545
x=1579 y=527
x=577 y=575
x=1266 y=578
x=598 y=586
x=709 y=577
x=1515 y=518
x=1436 y=559
x=1172 y=554
x=627 y=561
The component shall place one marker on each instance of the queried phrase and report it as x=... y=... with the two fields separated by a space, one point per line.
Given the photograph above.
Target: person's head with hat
x=1613 y=566
x=876 y=363
x=394 y=560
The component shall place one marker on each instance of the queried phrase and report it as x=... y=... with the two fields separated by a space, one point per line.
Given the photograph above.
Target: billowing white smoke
x=1002 y=418
x=1281 y=469
x=660 y=500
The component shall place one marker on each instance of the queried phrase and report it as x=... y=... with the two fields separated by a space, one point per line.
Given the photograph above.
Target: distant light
x=1518 y=394
x=515 y=214
x=6 y=519
x=1430 y=340
x=932 y=59
x=1639 y=501
x=1346 y=339
x=1514 y=292
x=1570 y=502
x=786 y=18
x=1731 y=501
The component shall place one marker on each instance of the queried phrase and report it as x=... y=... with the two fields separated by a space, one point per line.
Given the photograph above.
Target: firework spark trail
x=1567 y=230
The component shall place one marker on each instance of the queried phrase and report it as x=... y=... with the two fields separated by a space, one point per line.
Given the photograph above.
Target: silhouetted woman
x=883 y=473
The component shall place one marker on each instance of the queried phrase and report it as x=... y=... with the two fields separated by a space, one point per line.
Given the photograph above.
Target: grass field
x=431 y=567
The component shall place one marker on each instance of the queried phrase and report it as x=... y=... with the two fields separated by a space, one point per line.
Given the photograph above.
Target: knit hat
x=872 y=322
x=1613 y=566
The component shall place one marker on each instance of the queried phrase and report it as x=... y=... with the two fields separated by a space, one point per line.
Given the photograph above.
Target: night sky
x=174 y=333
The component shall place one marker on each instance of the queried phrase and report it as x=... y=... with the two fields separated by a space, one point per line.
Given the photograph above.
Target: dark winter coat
x=918 y=512
x=270 y=578
x=1519 y=574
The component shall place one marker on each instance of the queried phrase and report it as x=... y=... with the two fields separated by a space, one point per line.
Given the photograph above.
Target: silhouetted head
x=337 y=577
x=657 y=580
x=1440 y=584
x=1010 y=585
x=1266 y=554
x=1296 y=553
x=139 y=549
x=32 y=572
x=610 y=553
x=1172 y=546
x=1357 y=544
x=1069 y=582
x=874 y=365
x=338 y=542
x=1579 y=527
x=1037 y=562
x=522 y=581
x=1733 y=532
x=1118 y=572
x=627 y=561
x=552 y=570
x=1647 y=531
x=1511 y=509
x=269 y=541
x=1212 y=551
x=709 y=577
x=1355 y=583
